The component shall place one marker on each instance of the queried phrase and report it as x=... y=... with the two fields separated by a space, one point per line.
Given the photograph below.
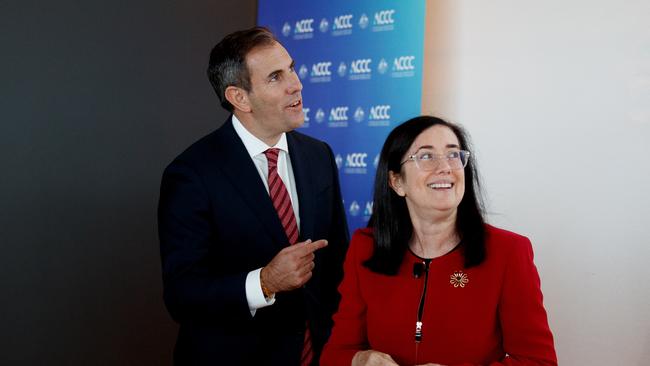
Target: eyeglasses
x=426 y=160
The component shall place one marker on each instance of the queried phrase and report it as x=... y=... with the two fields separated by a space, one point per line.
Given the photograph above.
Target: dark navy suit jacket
x=217 y=223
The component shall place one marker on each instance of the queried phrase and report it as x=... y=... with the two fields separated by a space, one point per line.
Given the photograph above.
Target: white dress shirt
x=256 y=149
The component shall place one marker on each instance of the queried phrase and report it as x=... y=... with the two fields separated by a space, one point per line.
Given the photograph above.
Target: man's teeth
x=294 y=104
x=440 y=185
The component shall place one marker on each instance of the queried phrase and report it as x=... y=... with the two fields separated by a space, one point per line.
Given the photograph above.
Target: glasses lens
x=458 y=159
x=428 y=161
x=463 y=157
x=454 y=160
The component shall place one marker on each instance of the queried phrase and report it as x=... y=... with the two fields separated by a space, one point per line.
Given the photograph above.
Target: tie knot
x=272 y=156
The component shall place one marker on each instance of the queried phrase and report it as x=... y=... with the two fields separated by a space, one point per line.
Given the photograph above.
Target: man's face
x=275 y=97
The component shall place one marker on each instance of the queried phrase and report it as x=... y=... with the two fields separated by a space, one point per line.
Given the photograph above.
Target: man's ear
x=395 y=182
x=238 y=97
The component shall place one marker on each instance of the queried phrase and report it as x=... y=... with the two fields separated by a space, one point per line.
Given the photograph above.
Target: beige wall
x=556 y=95
x=440 y=56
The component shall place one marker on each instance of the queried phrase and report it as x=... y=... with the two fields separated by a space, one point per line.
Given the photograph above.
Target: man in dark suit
x=251 y=221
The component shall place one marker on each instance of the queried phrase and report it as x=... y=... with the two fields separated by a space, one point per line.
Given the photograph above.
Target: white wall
x=556 y=95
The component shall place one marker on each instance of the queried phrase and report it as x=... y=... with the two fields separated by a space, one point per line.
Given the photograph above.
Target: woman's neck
x=434 y=238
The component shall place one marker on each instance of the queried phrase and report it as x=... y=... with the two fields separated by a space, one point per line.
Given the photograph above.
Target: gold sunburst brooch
x=459 y=279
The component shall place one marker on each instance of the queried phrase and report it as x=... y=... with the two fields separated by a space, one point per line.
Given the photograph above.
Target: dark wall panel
x=96 y=98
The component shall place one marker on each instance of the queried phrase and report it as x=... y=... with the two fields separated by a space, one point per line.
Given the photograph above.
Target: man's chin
x=297 y=122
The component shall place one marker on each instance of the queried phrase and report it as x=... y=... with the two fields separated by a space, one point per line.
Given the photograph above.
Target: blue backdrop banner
x=360 y=63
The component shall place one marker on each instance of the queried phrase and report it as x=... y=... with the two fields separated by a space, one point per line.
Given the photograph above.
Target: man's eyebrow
x=280 y=71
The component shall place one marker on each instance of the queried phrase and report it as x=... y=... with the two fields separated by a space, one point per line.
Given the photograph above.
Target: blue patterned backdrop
x=361 y=67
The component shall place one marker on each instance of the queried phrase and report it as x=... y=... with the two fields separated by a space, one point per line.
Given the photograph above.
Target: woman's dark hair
x=390 y=219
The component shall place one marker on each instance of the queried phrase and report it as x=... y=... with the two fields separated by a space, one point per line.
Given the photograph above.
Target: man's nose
x=294 y=84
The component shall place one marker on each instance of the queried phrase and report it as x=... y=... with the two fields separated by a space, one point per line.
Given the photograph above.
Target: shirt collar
x=253 y=145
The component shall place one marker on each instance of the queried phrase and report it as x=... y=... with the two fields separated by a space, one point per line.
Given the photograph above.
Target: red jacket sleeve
x=527 y=338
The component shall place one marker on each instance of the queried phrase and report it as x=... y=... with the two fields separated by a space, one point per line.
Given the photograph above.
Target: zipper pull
x=418 y=332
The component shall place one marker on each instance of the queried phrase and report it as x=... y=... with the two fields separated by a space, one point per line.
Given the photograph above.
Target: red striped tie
x=282 y=203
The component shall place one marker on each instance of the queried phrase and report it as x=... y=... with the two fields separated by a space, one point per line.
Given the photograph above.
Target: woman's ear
x=395 y=182
x=238 y=97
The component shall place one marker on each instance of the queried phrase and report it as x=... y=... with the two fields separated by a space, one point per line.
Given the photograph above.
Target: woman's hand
x=372 y=358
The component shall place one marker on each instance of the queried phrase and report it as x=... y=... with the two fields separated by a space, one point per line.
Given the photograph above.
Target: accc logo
x=359 y=114
x=339 y=114
x=354 y=208
x=360 y=66
x=320 y=115
x=304 y=26
x=356 y=160
x=380 y=112
x=343 y=22
x=302 y=71
x=339 y=160
x=384 y=17
x=343 y=68
x=404 y=63
x=321 y=69
x=286 y=29
x=363 y=21
x=383 y=66
x=368 y=210
x=324 y=25
x=305 y=111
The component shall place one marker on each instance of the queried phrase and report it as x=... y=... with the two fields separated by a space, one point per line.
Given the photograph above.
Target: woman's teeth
x=440 y=185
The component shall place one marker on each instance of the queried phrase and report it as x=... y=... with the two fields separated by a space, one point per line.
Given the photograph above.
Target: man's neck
x=254 y=128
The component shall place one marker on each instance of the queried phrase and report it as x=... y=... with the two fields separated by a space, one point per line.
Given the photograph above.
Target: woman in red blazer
x=429 y=282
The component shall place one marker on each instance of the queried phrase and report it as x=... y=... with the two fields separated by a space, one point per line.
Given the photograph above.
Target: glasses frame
x=437 y=159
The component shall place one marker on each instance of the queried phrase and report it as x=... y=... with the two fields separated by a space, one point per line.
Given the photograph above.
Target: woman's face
x=433 y=192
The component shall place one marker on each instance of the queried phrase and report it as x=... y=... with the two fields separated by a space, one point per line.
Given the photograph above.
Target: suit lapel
x=304 y=187
x=238 y=167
